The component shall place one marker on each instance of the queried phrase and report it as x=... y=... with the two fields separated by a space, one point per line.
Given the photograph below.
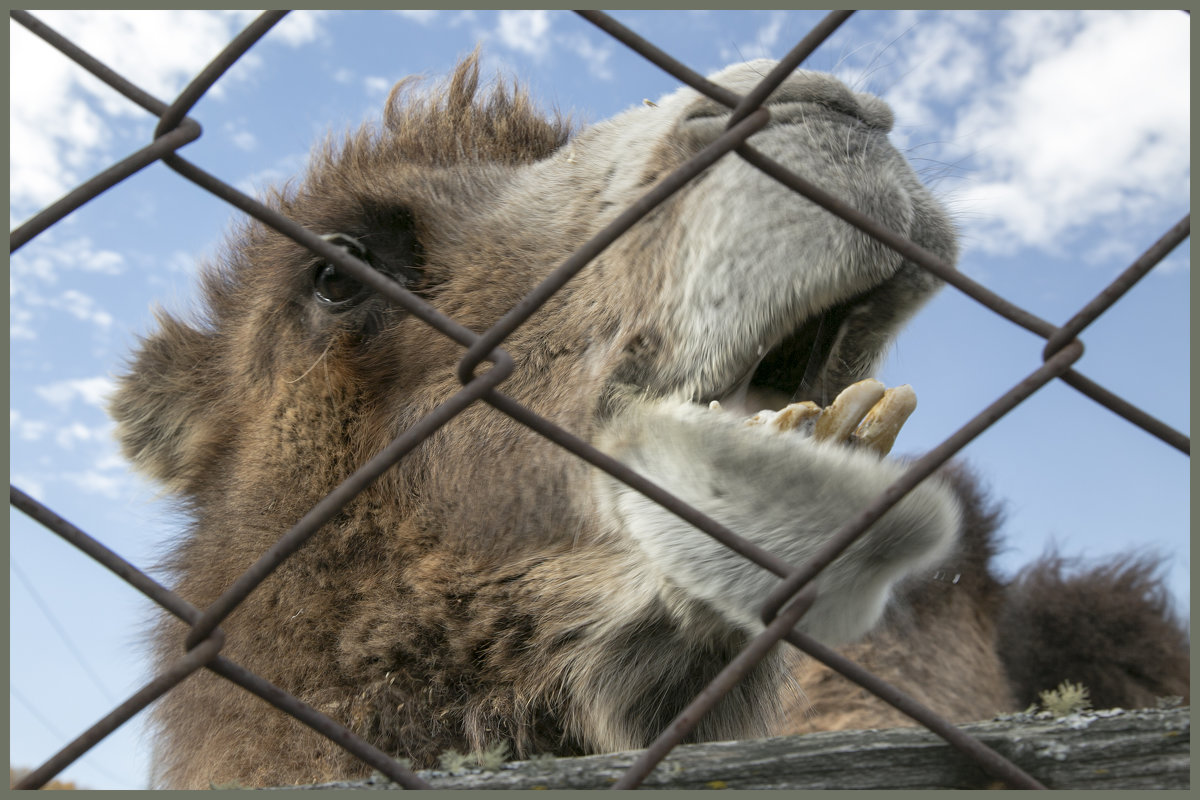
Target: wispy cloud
x=765 y=43
x=81 y=306
x=1057 y=133
x=21 y=323
x=278 y=173
x=92 y=391
x=106 y=484
x=524 y=31
x=595 y=57
x=43 y=261
x=27 y=429
x=423 y=17
x=240 y=137
x=35 y=272
x=76 y=432
x=62 y=120
x=23 y=303
x=300 y=27
x=31 y=486
x=376 y=85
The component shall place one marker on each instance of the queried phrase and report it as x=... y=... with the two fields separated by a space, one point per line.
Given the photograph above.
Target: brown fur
x=970 y=646
x=1109 y=627
x=471 y=594
x=410 y=617
x=937 y=642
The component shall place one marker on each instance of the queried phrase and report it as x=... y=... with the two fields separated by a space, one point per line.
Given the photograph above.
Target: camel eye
x=334 y=287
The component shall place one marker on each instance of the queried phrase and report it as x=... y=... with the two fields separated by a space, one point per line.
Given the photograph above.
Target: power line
x=37 y=714
x=62 y=634
x=84 y=760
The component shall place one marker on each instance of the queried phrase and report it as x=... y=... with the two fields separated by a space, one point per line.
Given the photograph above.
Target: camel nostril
x=805 y=93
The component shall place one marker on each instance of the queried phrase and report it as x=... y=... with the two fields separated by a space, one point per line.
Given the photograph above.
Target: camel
x=492 y=588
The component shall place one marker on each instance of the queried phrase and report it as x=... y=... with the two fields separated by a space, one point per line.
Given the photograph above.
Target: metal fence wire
x=794 y=594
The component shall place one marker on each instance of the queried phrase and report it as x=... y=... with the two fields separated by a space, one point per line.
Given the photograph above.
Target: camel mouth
x=792 y=370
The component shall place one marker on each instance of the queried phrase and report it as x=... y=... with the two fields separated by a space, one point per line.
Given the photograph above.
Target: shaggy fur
x=492 y=587
x=1109 y=627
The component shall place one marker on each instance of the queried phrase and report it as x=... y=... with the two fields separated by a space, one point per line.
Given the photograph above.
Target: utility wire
x=86 y=759
x=62 y=634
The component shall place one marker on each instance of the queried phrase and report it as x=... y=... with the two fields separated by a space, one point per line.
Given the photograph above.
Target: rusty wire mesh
x=794 y=593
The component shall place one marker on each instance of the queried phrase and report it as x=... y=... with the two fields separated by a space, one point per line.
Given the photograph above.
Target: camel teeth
x=839 y=420
x=762 y=417
x=882 y=423
x=795 y=415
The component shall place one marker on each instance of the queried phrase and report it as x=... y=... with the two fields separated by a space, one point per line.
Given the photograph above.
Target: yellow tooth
x=762 y=417
x=794 y=415
x=839 y=420
x=883 y=422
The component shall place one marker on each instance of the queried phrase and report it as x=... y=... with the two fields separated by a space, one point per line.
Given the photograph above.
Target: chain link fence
x=794 y=593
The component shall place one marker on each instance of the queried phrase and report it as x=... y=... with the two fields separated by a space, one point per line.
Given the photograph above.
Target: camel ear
x=165 y=407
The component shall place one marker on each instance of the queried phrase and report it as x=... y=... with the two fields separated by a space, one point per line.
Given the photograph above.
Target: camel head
x=511 y=586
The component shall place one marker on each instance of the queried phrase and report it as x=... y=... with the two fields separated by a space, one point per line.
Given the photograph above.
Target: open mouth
x=793 y=382
x=791 y=371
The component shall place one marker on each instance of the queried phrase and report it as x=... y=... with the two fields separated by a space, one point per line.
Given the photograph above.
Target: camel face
x=751 y=269
x=491 y=585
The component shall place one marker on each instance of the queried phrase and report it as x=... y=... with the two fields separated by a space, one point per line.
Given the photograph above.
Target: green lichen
x=453 y=761
x=489 y=758
x=1068 y=698
x=492 y=756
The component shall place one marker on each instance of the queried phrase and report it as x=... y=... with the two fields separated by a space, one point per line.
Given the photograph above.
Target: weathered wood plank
x=1147 y=749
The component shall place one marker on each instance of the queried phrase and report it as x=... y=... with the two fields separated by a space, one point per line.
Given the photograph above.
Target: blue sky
x=1059 y=140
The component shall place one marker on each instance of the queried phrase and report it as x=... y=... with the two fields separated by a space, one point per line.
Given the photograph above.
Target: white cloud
x=1172 y=264
x=763 y=45
x=113 y=459
x=94 y=482
x=241 y=138
x=34 y=488
x=92 y=391
x=83 y=307
x=67 y=437
x=20 y=324
x=299 y=27
x=1062 y=119
x=594 y=57
x=27 y=429
x=525 y=31
x=1084 y=135
x=23 y=318
x=281 y=171
x=62 y=120
x=423 y=17
x=376 y=85
x=43 y=260
x=244 y=140
x=57 y=109
x=181 y=262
